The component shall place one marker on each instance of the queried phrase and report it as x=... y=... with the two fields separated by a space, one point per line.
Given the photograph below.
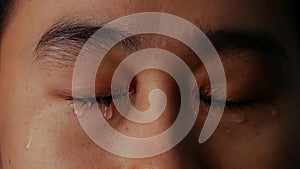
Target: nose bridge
x=153 y=79
x=143 y=84
x=150 y=80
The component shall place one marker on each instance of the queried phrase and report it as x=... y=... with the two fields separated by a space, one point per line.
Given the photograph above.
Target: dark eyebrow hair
x=62 y=43
x=67 y=31
x=261 y=41
x=80 y=32
x=64 y=40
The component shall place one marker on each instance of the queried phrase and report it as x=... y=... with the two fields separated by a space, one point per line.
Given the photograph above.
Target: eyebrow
x=60 y=45
x=239 y=40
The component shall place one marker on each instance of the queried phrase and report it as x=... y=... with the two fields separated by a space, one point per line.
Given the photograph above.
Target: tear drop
x=236 y=118
x=72 y=106
x=228 y=132
x=81 y=110
x=28 y=145
x=108 y=112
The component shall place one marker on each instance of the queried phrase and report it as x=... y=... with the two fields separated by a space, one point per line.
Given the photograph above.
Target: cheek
x=44 y=133
x=261 y=142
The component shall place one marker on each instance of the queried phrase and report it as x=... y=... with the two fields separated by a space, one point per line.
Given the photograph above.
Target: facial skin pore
x=255 y=41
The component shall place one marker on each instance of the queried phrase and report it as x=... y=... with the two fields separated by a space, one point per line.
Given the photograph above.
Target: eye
x=104 y=102
x=235 y=110
x=230 y=104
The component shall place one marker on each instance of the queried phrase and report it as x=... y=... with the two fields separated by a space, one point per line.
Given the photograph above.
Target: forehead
x=39 y=15
x=208 y=12
x=35 y=17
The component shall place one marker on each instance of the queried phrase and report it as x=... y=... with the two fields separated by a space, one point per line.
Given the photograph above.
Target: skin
x=39 y=128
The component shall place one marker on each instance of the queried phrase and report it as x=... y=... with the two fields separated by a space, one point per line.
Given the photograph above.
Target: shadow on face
x=41 y=44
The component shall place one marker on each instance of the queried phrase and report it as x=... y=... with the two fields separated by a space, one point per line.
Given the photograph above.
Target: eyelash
x=231 y=105
x=107 y=100
x=101 y=100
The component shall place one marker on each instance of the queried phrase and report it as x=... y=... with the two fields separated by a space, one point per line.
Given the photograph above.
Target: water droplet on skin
x=228 y=132
x=81 y=110
x=108 y=112
x=72 y=106
x=236 y=118
x=194 y=109
x=28 y=143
